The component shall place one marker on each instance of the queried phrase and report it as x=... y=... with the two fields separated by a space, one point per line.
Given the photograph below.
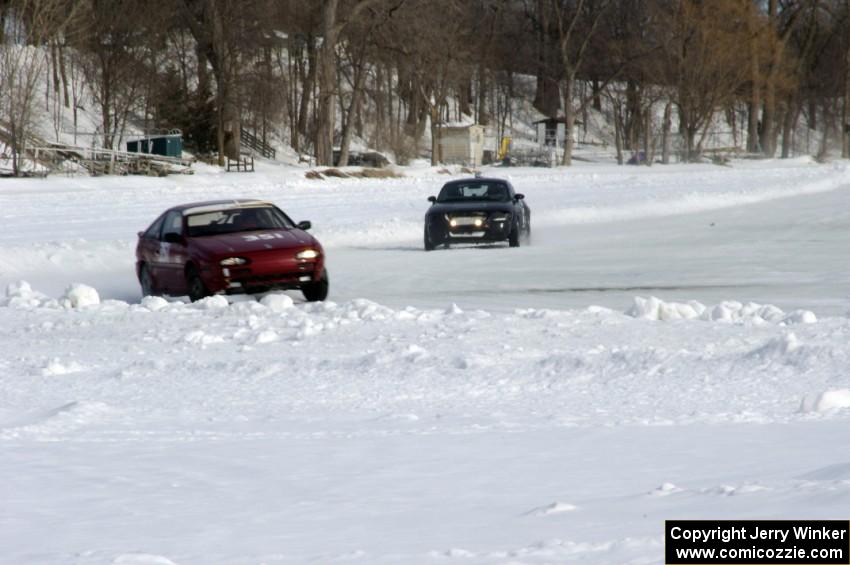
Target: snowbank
x=80 y=296
x=653 y=308
x=826 y=401
x=20 y=294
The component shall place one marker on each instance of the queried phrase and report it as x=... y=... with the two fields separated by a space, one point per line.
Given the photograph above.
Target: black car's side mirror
x=432 y=199
x=519 y=196
x=172 y=237
x=305 y=225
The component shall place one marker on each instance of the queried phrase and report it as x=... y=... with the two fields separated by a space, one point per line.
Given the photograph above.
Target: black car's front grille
x=476 y=221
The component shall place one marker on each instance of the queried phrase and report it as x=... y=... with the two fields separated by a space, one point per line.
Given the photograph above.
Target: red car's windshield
x=235 y=220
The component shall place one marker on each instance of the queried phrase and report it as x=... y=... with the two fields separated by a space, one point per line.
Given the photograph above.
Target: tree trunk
x=327 y=84
x=232 y=127
x=755 y=86
x=647 y=137
x=292 y=67
x=768 y=133
x=13 y=134
x=64 y=74
x=690 y=144
x=203 y=91
x=380 y=109
x=845 y=106
x=634 y=114
x=356 y=95
x=618 y=132
x=789 y=124
x=569 y=120
x=106 y=118
x=731 y=119
x=392 y=122
x=307 y=86
x=230 y=137
x=483 y=86
x=54 y=64
x=827 y=126
x=665 y=133
x=464 y=97
x=436 y=154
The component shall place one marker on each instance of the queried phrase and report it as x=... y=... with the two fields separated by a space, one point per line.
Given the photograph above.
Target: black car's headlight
x=503 y=217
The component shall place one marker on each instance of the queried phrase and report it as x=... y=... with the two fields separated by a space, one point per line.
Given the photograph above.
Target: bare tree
x=333 y=23
x=576 y=22
x=702 y=61
x=782 y=19
x=225 y=31
x=756 y=47
x=113 y=57
x=28 y=27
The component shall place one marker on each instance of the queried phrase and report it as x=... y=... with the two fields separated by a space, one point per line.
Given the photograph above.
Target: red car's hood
x=250 y=241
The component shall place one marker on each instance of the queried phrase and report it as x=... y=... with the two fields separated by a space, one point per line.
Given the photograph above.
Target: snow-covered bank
x=272 y=432
x=272 y=360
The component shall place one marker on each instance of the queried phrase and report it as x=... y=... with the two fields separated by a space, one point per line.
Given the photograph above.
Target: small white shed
x=462 y=144
x=551 y=132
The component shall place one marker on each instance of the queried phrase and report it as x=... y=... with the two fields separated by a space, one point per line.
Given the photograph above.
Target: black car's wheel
x=195 y=287
x=429 y=245
x=513 y=238
x=317 y=291
x=146 y=281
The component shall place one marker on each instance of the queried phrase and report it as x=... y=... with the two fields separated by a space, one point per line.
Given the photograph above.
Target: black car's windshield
x=474 y=191
x=235 y=220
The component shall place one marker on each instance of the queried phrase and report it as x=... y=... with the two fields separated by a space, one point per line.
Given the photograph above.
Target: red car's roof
x=210 y=205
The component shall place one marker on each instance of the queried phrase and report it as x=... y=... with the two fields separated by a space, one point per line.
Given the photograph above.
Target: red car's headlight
x=307 y=254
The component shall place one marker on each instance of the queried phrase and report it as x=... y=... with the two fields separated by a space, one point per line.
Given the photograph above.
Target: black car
x=478 y=210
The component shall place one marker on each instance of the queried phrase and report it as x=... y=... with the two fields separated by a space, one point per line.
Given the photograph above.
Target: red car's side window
x=173 y=224
x=155 y=228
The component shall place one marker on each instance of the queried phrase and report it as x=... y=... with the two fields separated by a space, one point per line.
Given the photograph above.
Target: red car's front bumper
x=271 y=269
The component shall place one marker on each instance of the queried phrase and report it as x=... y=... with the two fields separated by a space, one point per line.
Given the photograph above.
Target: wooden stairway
x=252 y=142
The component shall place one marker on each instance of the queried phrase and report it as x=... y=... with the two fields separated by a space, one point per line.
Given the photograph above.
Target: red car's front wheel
x=195 y=287
x=317 y=291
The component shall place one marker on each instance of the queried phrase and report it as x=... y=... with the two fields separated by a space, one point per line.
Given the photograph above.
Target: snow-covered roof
x=464 y=122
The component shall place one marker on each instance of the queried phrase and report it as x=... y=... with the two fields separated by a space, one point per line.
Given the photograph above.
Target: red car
x=229 y=246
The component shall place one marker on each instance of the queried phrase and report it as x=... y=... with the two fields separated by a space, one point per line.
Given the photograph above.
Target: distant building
x=169 y=144
x=462 y=144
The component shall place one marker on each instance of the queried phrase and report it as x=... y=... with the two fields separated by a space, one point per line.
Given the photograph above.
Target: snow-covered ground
x=472 y=405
